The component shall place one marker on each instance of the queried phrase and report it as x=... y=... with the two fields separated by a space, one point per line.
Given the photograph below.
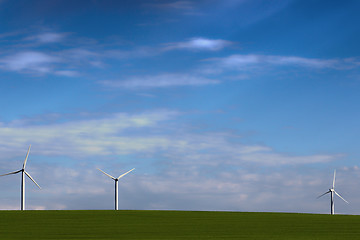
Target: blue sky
x=219 y=105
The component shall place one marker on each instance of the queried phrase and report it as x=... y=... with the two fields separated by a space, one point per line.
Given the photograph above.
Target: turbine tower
x=332 y=191
x=23 y=173
x=116 y=185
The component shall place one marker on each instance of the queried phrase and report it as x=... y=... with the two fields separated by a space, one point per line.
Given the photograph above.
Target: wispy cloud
x=71 y=61
x=159 y=81
x=246 y=65
x=217 y=149
x=187 y=188
x=188 y=170
x=67 y=73
x=239 y=61
x=33 y=54
x=149 y=133
x=80 y=58
x=88 y=137
x=139 y=52
x=74 y=56
x=29 y=61
x=275 y=158
x=48 y=37
x=193 y=44
x=67 y=63
x=199 y=44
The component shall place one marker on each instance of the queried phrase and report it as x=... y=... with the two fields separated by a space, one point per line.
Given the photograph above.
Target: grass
x=174 y=225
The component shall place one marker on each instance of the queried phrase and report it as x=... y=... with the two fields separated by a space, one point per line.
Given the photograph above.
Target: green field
x=174 y=225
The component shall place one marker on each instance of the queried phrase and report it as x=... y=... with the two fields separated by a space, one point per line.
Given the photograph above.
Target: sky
x=231 y=105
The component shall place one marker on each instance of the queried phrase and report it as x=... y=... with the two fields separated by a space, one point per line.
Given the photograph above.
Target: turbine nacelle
x=332 y=191
x=23 y=172
x=116 y=184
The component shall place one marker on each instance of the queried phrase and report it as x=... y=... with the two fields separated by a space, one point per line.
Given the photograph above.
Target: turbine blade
x=11 y=173
x=334 y=179
x=341 y=197
x=125 y=173
x=27 y=174
x=106 y=174
x=27 y=155
x=323 y=194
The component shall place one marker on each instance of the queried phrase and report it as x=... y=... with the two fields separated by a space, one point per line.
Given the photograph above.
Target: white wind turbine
x=116 y=185
x=23 y=173
x=332 y=191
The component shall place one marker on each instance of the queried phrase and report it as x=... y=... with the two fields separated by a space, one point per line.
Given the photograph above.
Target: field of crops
x=174 y=225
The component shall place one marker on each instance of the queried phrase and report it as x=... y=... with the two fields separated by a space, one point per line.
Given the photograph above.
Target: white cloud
x=240 y=62
x=178 y=170
x=67 y=73
x=139 y=52
x=279 y=159
x=184 y=189
x=150 y=133
x=160 y=81
x=49 y=37
x=217 y=149
x=54 y=63
x=29 y=61
x=25 y=56
x=202 y=44
x=88 y=137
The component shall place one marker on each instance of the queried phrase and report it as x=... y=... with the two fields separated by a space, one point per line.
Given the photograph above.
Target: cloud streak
x=199 y=44
x=75 y=61
x=35 y=54
x=239 y=61
x=29 y=61
x=122 y=134
x=179 y=169
x=72 y=60
x=160 y=81
x=69 y=63
x=83 y=138
x=187 y=189
x=48 y=37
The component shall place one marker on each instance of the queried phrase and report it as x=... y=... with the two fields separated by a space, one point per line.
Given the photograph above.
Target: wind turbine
x=23 y=173
x=332 y=191
x=116 y=185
